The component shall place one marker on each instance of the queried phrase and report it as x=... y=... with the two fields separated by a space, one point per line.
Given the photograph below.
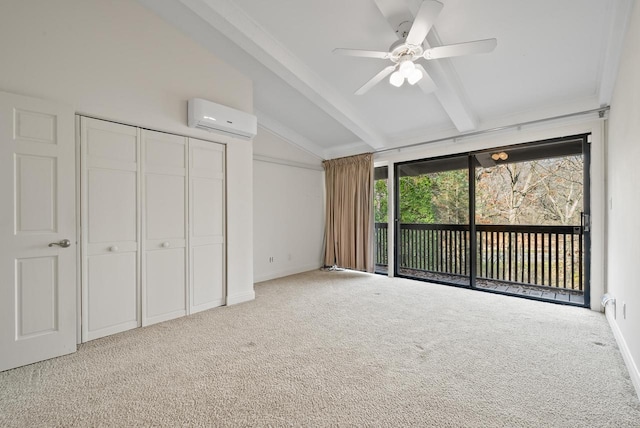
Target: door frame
x=586 y=223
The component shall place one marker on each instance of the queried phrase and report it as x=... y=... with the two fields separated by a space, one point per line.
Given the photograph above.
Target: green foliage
x=416 y=199
x=441 y=197
x=381 y=201
x=451 y=197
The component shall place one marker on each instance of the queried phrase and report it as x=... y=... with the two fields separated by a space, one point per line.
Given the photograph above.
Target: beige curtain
x=349 y=217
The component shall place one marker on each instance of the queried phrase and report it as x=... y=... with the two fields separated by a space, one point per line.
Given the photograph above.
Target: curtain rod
x=600 y=111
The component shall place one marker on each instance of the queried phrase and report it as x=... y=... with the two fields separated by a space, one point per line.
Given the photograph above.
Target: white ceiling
x=554 y=57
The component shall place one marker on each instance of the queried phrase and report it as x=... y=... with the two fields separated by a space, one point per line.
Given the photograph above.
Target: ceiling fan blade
x=468 y=48
x=361 y=53
x=425 y=18
x=426 y=83
x=375 y=80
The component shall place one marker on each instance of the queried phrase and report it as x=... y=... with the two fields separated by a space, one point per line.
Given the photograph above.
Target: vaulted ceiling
x=553 y=57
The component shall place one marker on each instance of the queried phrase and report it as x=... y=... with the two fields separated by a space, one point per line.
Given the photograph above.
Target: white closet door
x=110 y=217
x=207 y=225
x=164 y=281
x=37 y=231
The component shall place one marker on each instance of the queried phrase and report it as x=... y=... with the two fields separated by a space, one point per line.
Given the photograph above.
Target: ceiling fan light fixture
x=410 y=47
x=396 y=79
x=406 y=68
x=414 y=77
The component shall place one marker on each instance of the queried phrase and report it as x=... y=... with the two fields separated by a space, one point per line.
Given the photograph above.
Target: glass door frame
x=397 y=224
x=472 y=165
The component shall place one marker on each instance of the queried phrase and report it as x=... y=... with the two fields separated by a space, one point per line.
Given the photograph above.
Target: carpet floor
x=340 y=349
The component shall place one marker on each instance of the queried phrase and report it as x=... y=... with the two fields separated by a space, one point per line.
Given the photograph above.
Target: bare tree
x=547 y=191
x=563 y=196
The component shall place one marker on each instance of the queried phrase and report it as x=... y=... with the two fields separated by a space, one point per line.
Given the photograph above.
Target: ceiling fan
x=409 y=48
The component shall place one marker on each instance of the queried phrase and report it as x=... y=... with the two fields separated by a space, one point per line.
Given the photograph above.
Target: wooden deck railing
x=540 y=255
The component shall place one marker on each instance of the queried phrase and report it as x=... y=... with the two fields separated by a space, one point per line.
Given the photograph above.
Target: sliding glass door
x=512 y=220
x=530 y=209
x=432 y=220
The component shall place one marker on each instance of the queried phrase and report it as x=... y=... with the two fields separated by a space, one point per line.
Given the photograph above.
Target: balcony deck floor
x=559 y=295
x=573 y=297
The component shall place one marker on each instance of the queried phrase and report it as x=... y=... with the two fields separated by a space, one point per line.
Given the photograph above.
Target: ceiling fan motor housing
x=401 y=50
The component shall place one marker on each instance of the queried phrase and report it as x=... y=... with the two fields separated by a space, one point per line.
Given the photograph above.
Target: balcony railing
x=550 y=256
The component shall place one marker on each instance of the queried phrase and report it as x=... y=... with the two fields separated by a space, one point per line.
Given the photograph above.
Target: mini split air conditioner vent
x=214 y=117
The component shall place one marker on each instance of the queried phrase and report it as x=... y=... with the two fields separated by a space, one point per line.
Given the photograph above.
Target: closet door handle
x=113 y=249
x=65 y=243
x=165 y=244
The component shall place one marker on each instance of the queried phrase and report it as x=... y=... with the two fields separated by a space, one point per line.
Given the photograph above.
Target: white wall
x=623 y=192
x=538 y=132
x=116 y=60
x=288 y=214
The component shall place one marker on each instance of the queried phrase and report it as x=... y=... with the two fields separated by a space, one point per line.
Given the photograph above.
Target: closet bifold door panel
x=153 y=226
x=110 y=217
x=164 y=234
x=207 y=225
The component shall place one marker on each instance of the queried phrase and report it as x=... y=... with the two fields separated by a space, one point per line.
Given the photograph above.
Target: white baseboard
x=240 y=298
x=286 y=272
x=626 y=353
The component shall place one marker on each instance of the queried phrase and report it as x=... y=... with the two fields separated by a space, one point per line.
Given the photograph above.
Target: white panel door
x=164 y=264
x=207 y=225
x=37 y=231
x=110 y=215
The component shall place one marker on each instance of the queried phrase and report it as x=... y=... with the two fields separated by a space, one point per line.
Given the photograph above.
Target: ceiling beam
x=450 y=92
x=395 y=12
x=230 y=19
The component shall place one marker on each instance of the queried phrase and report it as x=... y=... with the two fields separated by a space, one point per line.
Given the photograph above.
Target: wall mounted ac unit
x=214 y=117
